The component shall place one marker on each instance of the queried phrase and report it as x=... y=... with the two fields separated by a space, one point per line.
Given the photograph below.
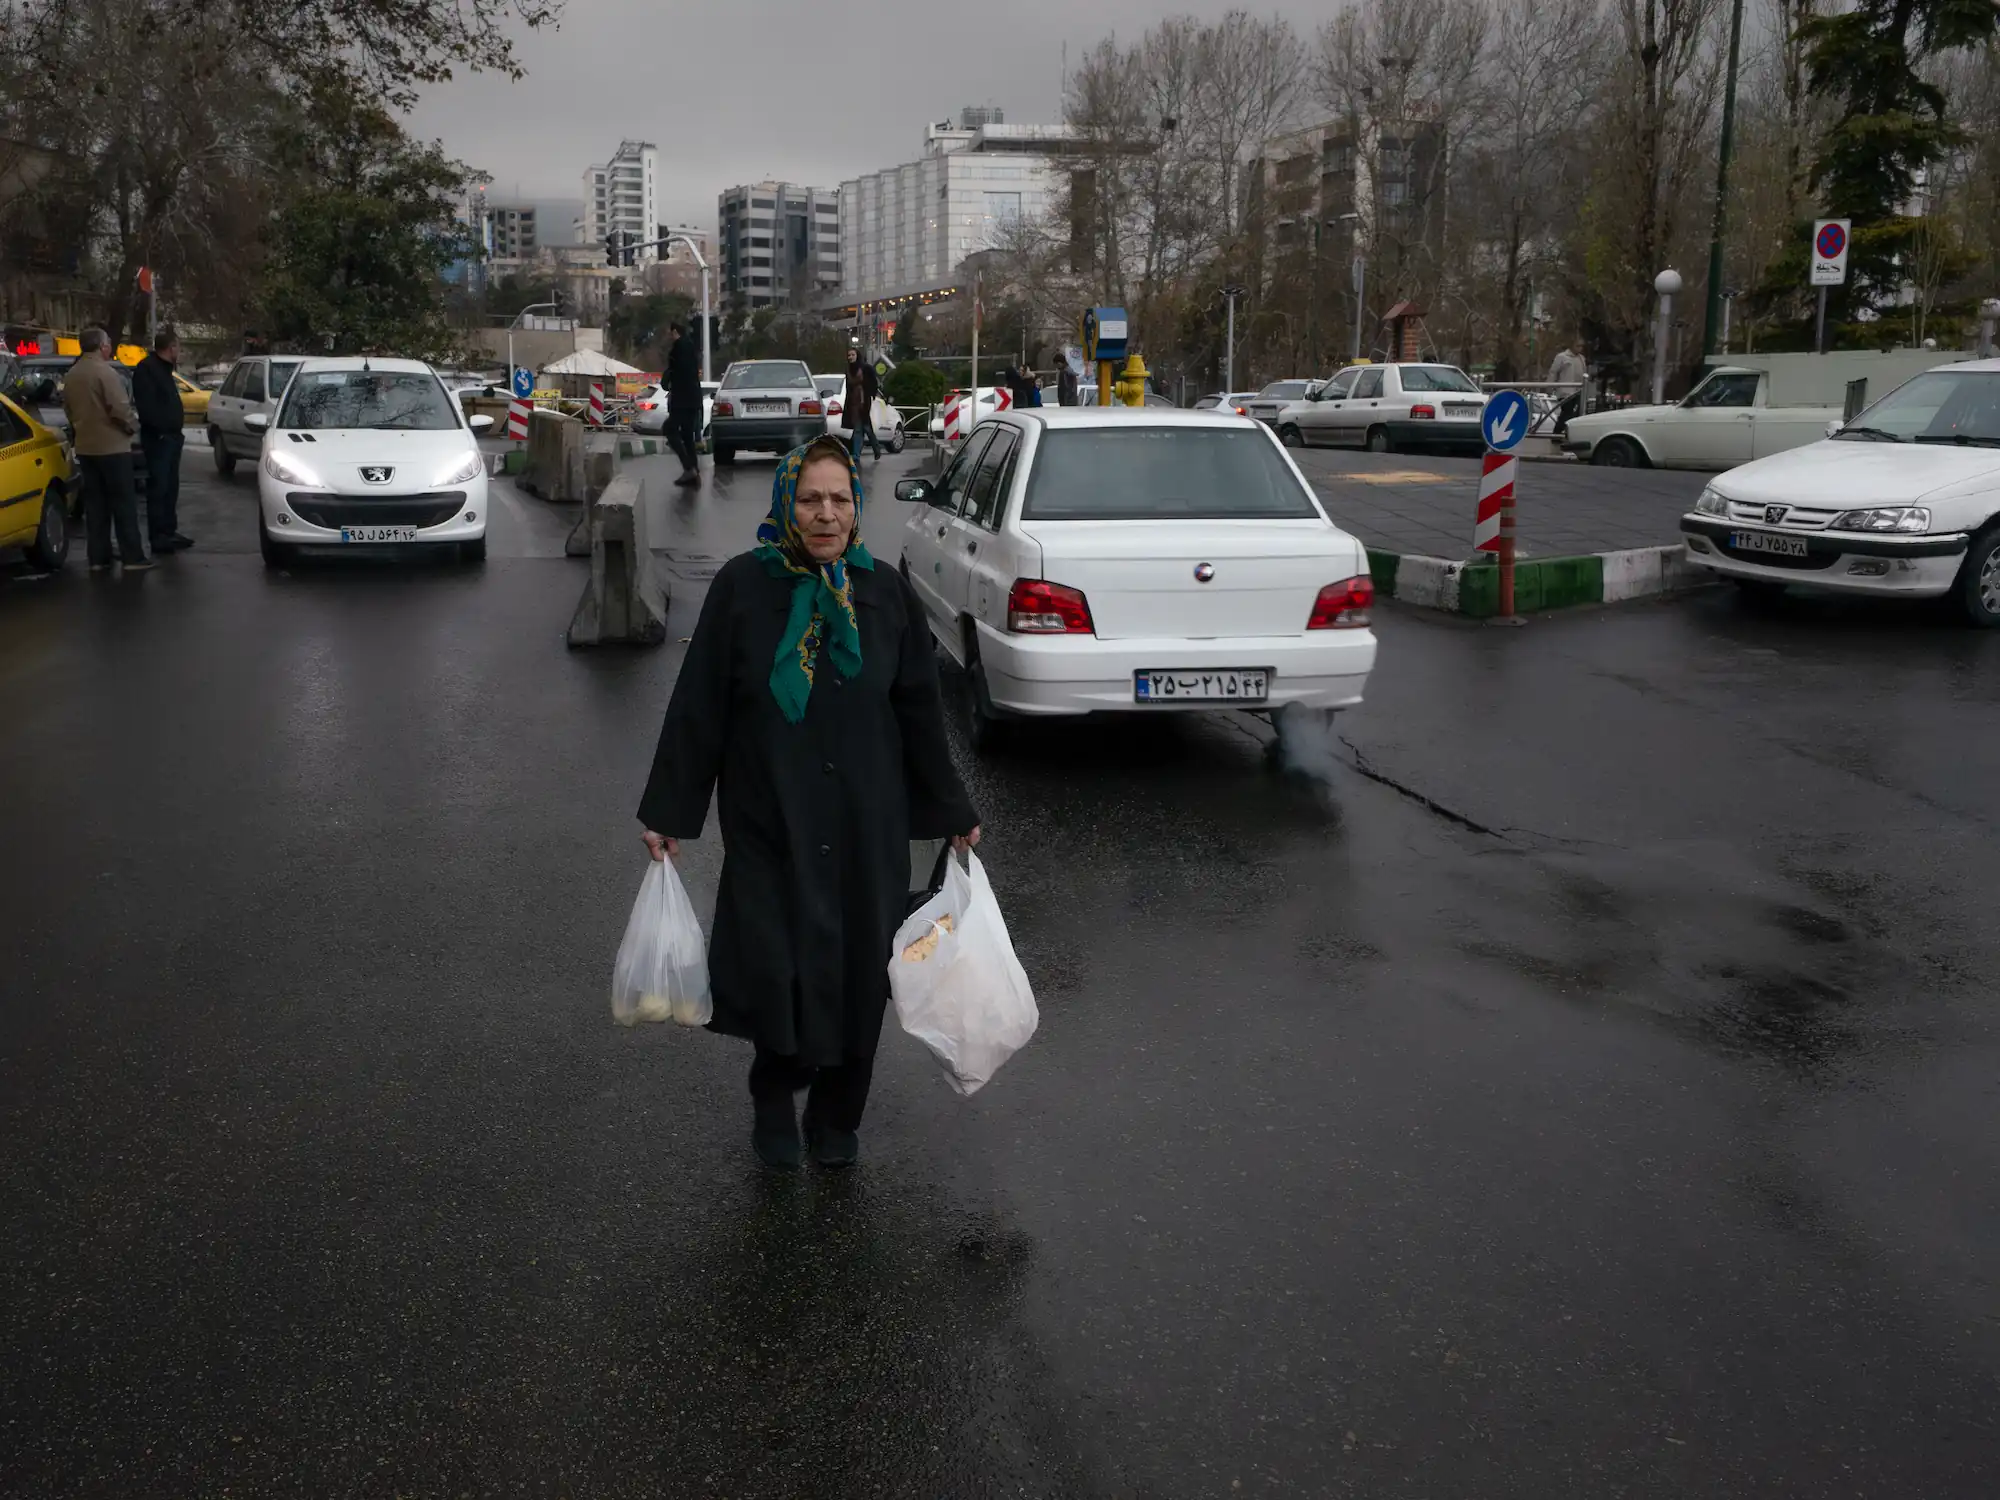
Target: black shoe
x=688 y=477
x=832 y=1148
x=182 y=542
x=162 y=545
x=140 y=566
x=776 y=1132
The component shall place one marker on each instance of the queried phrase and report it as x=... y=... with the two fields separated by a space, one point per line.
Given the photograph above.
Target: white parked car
x=649 y=407
x=1236 y=401
x=888 y=422
x=1078 y=561
x=1728 y=419
x=1905 y=499
x=1389 y=409
x=254 y=388
x=372 y=453
x=1275 y=397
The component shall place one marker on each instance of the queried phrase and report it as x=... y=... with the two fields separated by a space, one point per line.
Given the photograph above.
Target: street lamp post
x=531 y=307
x=1666 y=284
x=1232 y=292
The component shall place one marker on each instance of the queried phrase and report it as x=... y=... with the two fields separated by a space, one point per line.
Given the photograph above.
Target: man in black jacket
x=684 y=402
x=158 y=400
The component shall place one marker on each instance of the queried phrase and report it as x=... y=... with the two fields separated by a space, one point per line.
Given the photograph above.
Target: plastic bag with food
x=957 y=985
x=662 y=968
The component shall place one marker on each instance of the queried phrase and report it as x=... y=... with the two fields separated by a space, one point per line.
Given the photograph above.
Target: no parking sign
x=1829 y=251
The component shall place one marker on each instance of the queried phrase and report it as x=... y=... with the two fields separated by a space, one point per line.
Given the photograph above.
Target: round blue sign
x=1832 y=240
x=1505 y=421
x=524 y=382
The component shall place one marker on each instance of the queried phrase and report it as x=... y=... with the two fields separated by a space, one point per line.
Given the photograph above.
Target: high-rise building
x=905 y=231
x=622 y=196
x=778 y=243
x=513 y=229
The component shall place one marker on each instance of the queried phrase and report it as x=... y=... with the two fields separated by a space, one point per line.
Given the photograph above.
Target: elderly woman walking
x=810 y=694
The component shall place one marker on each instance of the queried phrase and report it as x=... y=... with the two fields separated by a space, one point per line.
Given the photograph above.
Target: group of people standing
x=103 y=420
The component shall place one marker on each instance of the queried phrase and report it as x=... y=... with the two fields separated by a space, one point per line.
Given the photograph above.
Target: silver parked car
x=768 y=404
x=1384 y=408
x=1275 y=397
x=254 y=388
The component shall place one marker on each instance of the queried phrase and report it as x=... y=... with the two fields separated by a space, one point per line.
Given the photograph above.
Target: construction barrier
x=1496 y=495
x=596 y=403
x=517 y=419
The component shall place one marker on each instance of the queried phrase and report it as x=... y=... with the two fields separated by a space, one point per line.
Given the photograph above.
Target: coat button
x=825 y=849
x=827 y=768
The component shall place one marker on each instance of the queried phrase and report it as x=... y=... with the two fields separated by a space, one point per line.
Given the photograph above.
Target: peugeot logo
x=377 y=474
x=1773 y=514
x=1203 y=572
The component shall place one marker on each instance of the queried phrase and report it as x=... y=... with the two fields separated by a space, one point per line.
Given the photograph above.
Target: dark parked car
x=37 y=383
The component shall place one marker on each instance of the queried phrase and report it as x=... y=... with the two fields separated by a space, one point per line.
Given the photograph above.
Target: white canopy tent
x=590 y=362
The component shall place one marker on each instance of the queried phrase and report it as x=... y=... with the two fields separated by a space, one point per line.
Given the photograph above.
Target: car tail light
x=833 y=408
x=1424 y=413
x=1038 y=608
x=1344 y=605
x=1241 y=412
x=647 y=405
x=724 y=409
x=810 y=408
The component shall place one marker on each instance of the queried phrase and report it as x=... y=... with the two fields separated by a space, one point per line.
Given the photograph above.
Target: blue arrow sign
x=1505 y=421
x=524 y=382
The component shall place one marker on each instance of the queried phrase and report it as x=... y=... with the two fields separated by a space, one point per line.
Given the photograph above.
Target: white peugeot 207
x=370 y=453
x=1077 y=560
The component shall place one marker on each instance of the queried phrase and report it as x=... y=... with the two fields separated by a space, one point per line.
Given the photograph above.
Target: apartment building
x=622 y=196
x=777 y=243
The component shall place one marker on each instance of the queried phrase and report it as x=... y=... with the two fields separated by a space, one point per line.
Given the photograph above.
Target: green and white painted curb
x=1473 y=589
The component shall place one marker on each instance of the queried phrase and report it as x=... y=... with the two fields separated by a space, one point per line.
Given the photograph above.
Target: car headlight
x=1885 y=518
x=1712 y=502
x=282 y=467
x=462 y=470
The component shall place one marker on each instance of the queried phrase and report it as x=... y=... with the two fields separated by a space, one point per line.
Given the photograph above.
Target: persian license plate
x=768 y=408
x=1765 y=541
x=378 y=533
x=1461 y=409
x=1215 y=685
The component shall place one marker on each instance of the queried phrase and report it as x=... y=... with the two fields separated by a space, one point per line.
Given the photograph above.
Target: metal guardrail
x=1545 y=399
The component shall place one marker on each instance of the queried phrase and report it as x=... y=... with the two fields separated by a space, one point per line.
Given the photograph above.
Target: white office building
x=905 y=231
x=622 y=196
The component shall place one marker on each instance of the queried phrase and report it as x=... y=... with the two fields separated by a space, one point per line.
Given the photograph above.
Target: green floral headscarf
x=822 y=613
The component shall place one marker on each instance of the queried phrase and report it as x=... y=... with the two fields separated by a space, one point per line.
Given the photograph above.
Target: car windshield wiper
x=1959 y=439
x=1872 y=434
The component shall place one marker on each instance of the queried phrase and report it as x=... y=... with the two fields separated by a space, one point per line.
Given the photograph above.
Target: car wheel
x=473 y=552
x=896 y=441
x=50 y=548
x=1977 y=593
x=724 y=455
x=985 y=726
x=225 y=461
x=1378 y=440
x=1619 y=453
x=1290 y=436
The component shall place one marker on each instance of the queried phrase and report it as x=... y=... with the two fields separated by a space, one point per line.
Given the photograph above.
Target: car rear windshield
x=393 y=399
x=1437 y=378
x=1941 y=406
x=768 y=375
x=1286 y=390
x=1162 y=473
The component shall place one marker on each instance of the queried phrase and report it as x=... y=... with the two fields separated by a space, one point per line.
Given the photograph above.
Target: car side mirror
x=257 y=421
x=1834 y=426
x=480 y=423
x=916 y=491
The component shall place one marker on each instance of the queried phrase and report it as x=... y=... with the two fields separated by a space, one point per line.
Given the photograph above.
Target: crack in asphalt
x=1362 y=765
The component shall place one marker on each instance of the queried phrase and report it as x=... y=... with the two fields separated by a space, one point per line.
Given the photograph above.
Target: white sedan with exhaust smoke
x=369 y=454
x=1074 y=560
x=1903 y=500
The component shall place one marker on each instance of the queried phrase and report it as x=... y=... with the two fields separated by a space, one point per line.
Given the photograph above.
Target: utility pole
x=1232 y=292
x=1712 y=318
x=1666 y=284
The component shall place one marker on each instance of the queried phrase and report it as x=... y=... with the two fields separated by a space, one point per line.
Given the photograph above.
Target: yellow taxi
x=35 y=477
x=194 y=401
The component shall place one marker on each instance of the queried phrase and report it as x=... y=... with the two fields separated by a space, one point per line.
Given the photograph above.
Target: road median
x=1472 y=588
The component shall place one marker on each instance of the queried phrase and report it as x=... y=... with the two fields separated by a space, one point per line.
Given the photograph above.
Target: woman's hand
x=665 y=848
x=966 y=841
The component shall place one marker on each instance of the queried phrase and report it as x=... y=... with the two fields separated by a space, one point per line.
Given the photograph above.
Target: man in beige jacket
x=101 y=427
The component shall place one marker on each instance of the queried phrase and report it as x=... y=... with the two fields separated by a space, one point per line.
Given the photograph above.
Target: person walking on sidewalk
x=858 y=401
x=684 y=402
x=158 y=399
x=1569 y=367
x=101 y=427
x=810 y=692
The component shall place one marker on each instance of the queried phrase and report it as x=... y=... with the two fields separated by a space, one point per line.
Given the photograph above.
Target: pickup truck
x=1741 y=412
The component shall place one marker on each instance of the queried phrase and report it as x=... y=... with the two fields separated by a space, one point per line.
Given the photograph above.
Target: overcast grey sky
x=811 y=91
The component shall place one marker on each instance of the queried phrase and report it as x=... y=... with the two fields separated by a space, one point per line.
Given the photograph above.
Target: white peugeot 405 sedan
x=370 y=453
x=1077 y=560
x=1904 y=499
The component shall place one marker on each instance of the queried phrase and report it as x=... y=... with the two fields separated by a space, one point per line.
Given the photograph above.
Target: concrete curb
x=1473 y=589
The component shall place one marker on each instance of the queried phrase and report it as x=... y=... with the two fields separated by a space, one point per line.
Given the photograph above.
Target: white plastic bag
x=662 y=967
x=957 y=985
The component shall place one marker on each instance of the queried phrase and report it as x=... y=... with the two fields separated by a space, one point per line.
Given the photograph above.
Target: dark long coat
x=816 y=816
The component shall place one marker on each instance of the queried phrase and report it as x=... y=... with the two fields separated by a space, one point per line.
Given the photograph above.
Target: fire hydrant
x=1131 y=385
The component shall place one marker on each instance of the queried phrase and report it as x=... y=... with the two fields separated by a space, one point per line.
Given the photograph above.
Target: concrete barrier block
x=623 y=601
x=555 y=457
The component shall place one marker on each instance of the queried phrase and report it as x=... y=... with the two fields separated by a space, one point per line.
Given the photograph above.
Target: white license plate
x=1217 y=685
x=1460 y=409
x=378 y=533
x=1764 y=541
x=768 y=408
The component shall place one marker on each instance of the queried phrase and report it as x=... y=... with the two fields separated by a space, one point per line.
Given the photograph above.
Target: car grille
x=1795 y=517
x=377 y=510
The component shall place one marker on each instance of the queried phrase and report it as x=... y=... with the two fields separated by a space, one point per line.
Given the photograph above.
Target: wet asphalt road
x=1578 y=1079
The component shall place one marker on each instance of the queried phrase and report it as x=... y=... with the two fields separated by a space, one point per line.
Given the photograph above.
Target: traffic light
x=611 y=248
x=631 y=255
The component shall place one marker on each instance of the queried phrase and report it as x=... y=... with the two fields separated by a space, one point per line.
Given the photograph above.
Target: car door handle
x=972 y=546
x=941 y=532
